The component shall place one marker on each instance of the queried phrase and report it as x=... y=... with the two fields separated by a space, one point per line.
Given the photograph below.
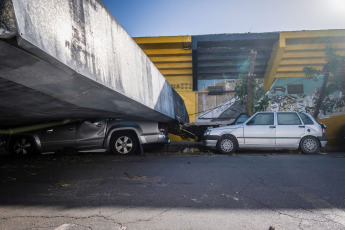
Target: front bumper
x=210 y=140
x=323 y=141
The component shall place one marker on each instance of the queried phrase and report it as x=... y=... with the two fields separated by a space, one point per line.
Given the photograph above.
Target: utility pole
x=249 y=82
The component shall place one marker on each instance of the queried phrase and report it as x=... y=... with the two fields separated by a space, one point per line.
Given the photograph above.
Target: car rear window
x=288 y=119
x=306 y=120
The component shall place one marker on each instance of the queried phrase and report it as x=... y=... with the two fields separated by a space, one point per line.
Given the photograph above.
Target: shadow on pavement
x=243 y=181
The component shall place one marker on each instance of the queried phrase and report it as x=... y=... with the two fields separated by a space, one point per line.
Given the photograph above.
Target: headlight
x=207 y=132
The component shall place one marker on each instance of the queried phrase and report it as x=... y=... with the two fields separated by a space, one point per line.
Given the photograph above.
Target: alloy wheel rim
x=124 y=145
x=310 y=145
x=227 y=145
x=22 y=146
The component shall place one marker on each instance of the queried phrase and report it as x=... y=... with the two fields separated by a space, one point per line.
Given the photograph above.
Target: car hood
x=227 y=127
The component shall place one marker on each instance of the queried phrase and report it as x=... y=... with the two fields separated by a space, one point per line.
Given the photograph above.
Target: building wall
x=172 y=55
x=209 y=60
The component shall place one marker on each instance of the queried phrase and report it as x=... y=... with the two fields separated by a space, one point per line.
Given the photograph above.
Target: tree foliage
x=259 y=98
x=335 y=67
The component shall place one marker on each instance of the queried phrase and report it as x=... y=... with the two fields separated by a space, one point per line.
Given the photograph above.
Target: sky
x=146 y=18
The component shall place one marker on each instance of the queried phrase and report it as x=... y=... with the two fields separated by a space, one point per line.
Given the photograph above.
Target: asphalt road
x=100 y=191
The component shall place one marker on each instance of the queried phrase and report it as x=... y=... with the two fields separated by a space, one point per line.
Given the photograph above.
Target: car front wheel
x=310 y=145
x=123 y=143
x=21 y=146
x=227 y=145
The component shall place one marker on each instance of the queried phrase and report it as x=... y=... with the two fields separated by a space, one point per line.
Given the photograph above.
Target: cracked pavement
x=100 y=191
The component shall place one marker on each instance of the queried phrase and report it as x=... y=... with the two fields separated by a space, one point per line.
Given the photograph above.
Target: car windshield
x=262 y=119
x=241 y=119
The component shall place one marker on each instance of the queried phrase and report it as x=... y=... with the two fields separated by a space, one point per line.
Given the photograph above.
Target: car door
x=260 y=131
x=289 y=130
x=58 y=137
x=90 y=133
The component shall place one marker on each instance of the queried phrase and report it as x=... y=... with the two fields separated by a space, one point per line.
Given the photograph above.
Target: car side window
x=288 y=119
x=306 y=120
x=262 y=119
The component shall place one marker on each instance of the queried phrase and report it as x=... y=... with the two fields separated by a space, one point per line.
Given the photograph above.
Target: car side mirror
x=250 y=122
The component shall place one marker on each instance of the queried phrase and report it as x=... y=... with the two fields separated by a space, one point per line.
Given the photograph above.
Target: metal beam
x=174 y=65
x=176 y=72
x=305 y=62
x=312 y=47
x=163 y=40
x=169 y=58
x=150 y=52
x=297 y=68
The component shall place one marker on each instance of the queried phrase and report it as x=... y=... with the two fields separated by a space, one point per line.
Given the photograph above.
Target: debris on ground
x=61 y=185
x=117 y=160
x=138 y=177
x=225 y=195
x=10 y=179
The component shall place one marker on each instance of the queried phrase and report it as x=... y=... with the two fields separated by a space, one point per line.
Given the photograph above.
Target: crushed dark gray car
x=115 y=135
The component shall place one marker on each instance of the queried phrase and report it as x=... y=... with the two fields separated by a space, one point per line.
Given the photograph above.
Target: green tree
x=333 y=80
x=259 y=100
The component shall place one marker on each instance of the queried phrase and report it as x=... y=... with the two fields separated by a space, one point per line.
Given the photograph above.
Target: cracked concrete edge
x=62 y=216
x=149 y=219
x=74 y=218
x=62 y=227
x=8 y=27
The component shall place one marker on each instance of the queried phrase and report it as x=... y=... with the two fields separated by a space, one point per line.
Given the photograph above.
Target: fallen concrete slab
x=72 y=59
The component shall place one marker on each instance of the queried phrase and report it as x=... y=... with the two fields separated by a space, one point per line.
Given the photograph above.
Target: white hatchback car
x=270 y=130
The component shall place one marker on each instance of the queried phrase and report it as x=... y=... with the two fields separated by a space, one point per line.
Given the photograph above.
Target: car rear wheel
x=310 y=145
x=123 y=143
x=227 y=145
x=22 y=145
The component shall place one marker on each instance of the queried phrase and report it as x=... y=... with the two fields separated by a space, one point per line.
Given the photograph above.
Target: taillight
x=161 y=128
x=323 y=127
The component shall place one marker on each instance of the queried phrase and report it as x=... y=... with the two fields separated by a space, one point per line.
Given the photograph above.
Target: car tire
x=22 y=146
x=227 y=144
x=310 y=145
x=123 y=143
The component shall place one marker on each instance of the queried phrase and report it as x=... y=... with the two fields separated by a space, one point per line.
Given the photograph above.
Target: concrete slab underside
x=33 y=90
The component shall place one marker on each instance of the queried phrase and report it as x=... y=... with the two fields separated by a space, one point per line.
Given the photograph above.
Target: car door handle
x=301 y=126
x=272 y=127
x=49 y=130
x=71 y=128
x=99 y=125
